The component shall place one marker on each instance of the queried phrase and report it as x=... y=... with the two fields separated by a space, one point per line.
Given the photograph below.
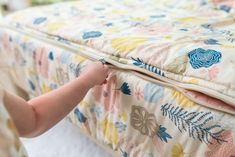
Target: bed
x=171 y=90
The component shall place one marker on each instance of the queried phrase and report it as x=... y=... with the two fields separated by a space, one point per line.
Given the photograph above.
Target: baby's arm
x=36 y=116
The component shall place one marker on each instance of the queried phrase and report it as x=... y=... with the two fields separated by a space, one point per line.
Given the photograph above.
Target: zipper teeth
x=94 y=55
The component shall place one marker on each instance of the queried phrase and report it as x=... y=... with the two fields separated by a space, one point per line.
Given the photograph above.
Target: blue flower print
x=211 y=42
x=80 y=116
x=225 y=8
x=51 y=56
x=120 y=126
x=32 y=86
x=153 y=92
x=109 y=24
x=65 y=56
x=125 y=89
x=162 y=134
x=96 y=110
x=184 y=29
x=91 y=34
x=204 y=58
x=39 y=20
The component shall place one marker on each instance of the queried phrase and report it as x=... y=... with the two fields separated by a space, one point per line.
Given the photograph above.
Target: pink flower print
x=138 y=93
x=230 y=3
x=159 y=145
x=196 y=32
x=225 y=149
x=213 y=72
x=41 y=61
x=91 y=42
x=6 y=43
x=107 y=94
x=155 y=30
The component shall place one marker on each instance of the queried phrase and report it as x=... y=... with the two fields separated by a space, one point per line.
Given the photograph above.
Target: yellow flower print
x=127 y=44
x=137 y=19
x=194 y=20
x=181 y=99
x=12 y=127
x=53 y=78
x=84 y=104
x=45 y=89
x=193 y=81
x=227 y=46
x=177 y=151
x=188 y=6
x=168 y=37
x=123 y=117
x=110 y=131
x=26 y=38
x=79 y=59
x=114 y=30
x=52 y=27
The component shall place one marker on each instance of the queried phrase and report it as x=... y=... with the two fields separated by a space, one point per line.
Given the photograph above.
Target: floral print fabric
x=203 y=58
x=176 y=41
x=172 y=78
x=178 y=47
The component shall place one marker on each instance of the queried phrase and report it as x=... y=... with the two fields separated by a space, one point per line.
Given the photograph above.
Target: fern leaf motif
x=195 y=123
x=138 y=62
x=80 y=116
x=125 y=89
x=162 y=134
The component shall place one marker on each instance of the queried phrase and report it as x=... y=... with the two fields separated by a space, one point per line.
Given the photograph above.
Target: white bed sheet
x=64 y=140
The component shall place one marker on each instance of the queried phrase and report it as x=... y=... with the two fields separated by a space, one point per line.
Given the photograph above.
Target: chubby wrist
x=86 y=83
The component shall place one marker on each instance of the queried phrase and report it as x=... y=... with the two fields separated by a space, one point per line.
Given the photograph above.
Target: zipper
x=94 y=55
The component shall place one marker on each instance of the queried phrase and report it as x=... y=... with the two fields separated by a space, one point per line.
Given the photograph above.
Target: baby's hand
x=95 y=73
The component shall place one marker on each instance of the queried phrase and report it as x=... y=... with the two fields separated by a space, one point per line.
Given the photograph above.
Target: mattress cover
x=171 y=87
x=188 y=44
